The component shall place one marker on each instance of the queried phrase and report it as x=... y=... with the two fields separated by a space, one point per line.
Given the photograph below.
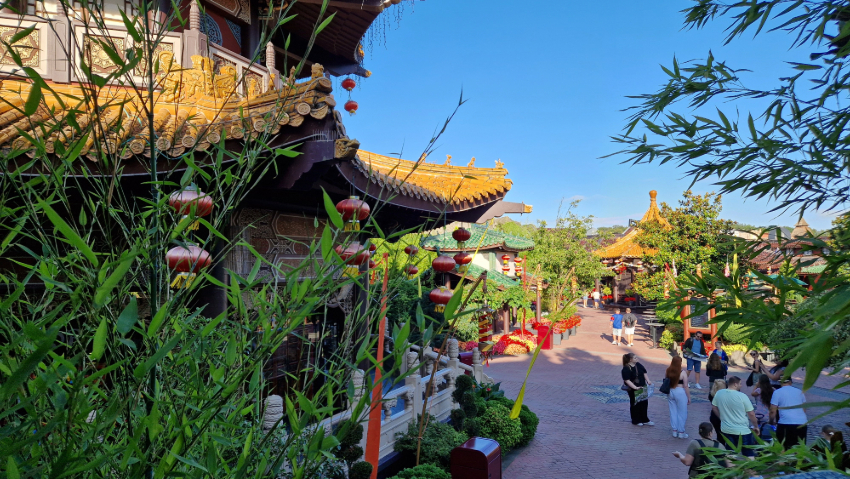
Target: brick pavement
x=584 y=428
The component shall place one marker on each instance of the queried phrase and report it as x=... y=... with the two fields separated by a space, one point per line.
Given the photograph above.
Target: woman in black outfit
x=635 y=377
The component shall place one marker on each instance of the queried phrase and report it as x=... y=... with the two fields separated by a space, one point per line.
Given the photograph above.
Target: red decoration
x=351 y=107
x=463 y=259
x=411 y=271
x=518 y=266
x=411 y=250
x=187 y=259
x=189 y=198
x=372 y=247
x=461 y=235
x=506 y=268
x=353 y=211
x=443 y=264
x=349 y=84
x=440 y=296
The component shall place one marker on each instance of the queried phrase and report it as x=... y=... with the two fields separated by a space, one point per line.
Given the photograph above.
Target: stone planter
x=556 y=338
x=573 y=330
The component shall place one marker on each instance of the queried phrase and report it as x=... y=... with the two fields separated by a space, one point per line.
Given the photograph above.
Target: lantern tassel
x=183 y=281
x=440 y=308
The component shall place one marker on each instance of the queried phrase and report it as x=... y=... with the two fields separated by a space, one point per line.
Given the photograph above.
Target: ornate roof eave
x=627 y=246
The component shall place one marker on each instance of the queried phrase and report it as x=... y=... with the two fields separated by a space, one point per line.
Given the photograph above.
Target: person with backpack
x=695 y=457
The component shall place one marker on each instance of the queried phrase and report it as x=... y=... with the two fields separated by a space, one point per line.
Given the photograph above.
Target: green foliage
x=611 y=230
x=437 y=442
x=667 y=340
x=668 y=315
x=402 y=307
x=496 y=423
x=736 y=333
x=360 y=470
x=677 y=330
x=423 y=471
x=529 y=422
x=697 y=238
x=467 y=329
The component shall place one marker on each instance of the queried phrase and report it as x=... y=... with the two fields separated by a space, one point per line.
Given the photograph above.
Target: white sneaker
x=650 y=423
x=683 y=435
x=631 y=345
x=697 y=386
x=614 y=343
x=675 y=433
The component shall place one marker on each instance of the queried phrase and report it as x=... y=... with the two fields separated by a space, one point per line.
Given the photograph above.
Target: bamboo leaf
x=68 y=233
x=12 y=469
x=128 y=317
x=143 y=368
x=99 y=345
x=103 y=291
x=33 y=100
x=325 y=23
x=518 y=404
x=330 y=209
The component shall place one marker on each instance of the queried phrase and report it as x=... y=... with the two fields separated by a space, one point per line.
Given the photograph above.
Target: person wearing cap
x=791 y=420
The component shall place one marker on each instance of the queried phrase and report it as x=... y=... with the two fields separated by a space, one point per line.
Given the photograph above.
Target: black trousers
x=715 y=421
x=790 y=434
x=638 y=411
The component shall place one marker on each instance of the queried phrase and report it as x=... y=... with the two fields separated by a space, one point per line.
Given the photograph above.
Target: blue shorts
x=743 y=440
x=694 y=365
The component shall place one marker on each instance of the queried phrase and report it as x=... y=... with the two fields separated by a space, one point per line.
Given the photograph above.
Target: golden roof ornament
x=471 y=163
x=448 y=160
x=499 y=163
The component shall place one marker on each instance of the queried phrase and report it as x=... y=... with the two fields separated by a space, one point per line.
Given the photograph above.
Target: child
x=617 y=323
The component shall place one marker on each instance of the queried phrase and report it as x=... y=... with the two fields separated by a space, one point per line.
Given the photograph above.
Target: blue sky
x=545 y=89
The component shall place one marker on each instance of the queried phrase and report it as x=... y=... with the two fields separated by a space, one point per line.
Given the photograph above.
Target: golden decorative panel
x=27 y=48
x=97 y=58
x=141 y=69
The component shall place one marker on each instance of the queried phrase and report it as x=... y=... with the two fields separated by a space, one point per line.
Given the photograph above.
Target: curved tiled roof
x=480 y=235
x=445 y=184
x=627 y=246
x=493 y=277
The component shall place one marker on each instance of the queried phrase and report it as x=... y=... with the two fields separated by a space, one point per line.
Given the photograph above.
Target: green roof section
x=482 y=239
x=498 y=278
x=814 y=269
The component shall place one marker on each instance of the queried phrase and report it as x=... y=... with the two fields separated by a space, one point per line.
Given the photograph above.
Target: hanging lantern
x=351 y=107
x=353 y=256
x=463 y=259
x=353 y=211
x=440 y=296
x=443 y=264
x=348 y=84
x=411 y=250
x=191 y=199
x=518 y=266
x=186 y=261
x=638 y=262
x=726 y=271
x=372 y=248
x=411 y=271
x=506 y=267
x=605 y=261
x=461 y=235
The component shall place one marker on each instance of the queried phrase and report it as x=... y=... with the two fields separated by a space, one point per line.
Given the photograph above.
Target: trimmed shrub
x=360 y=470
x=423 y=471
x=437 y=442
x=467 y=329
x=458 y=417
x=496 y=424
x=528 y=425
x=736 y=333
x=677 y=330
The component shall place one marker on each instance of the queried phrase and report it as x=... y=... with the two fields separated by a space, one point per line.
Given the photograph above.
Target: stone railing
x=402 y=405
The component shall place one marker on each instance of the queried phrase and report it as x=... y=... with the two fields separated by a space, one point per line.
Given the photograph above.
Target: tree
x=792 y=153
x=611 y=230
x=564 y=255
x=696 y=239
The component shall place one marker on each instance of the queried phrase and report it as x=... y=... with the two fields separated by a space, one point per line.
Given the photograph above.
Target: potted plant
x=606 y=294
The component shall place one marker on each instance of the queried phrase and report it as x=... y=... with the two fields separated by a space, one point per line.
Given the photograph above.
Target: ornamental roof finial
x=499 y=163
x=448 y=160
x=471 y=162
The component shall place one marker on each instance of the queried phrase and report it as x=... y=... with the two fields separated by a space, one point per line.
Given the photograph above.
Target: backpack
x=701 y=458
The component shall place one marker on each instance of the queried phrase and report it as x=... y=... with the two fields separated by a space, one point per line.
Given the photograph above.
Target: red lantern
x=462 y=259
x=461 y=235
x=351 y=107
x=411 y=250
x=506 y=267
x=353 y=255
x=372 y=248
x=443 y=264
x=186 y=261
x=518 y=266
x=411 y=271
x=440 y=296
x=348 y=84
x=353 y=211
x=190 y=199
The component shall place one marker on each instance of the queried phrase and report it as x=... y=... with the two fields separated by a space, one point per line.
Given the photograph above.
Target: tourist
x=755 y=368
x=696 y=346
x=629 y=323
x=584 y=295
x=724 y=359
x=596 y=298
x=833 y=440
x=791 y=425
x=714 y=369
x=678 y=398
x=617 y=326
x=735 y=412
x=775 y=373
x=714 y=418
x=635 y=378
x=694 y=456
x=762 y=394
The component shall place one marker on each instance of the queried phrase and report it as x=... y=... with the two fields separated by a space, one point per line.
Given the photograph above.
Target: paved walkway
x=585 y=430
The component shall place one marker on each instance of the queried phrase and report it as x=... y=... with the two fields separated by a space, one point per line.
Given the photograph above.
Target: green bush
x=736 y=333
x=677 y=330
x=528 y=425
x=666 y=341
x=360 y=470
x=497 y=424
x=423 y=471
x=437 y=442
x=668 y=316
x=467 y=329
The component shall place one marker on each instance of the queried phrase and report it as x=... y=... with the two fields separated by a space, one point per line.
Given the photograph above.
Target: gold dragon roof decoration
x=192 y=109
x=627 y=246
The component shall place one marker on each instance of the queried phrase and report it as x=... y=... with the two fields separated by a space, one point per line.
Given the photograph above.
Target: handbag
x=750 y=379
x=625 y=388
x=665 y=386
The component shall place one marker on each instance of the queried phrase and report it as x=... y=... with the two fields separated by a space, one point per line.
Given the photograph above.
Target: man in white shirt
x=596 y=298
x=791 y=427
x=738 y=422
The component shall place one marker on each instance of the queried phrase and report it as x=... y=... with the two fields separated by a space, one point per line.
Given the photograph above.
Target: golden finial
x=448 y=160
x=471 y=162
x=652 y=195
x=368 y=73
x=499 y=163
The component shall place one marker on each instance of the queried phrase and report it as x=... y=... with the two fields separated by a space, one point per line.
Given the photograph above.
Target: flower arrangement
x=630 y=298
x=543 y=322
x=568 y=323
x=515 y=343
x=467 y=345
